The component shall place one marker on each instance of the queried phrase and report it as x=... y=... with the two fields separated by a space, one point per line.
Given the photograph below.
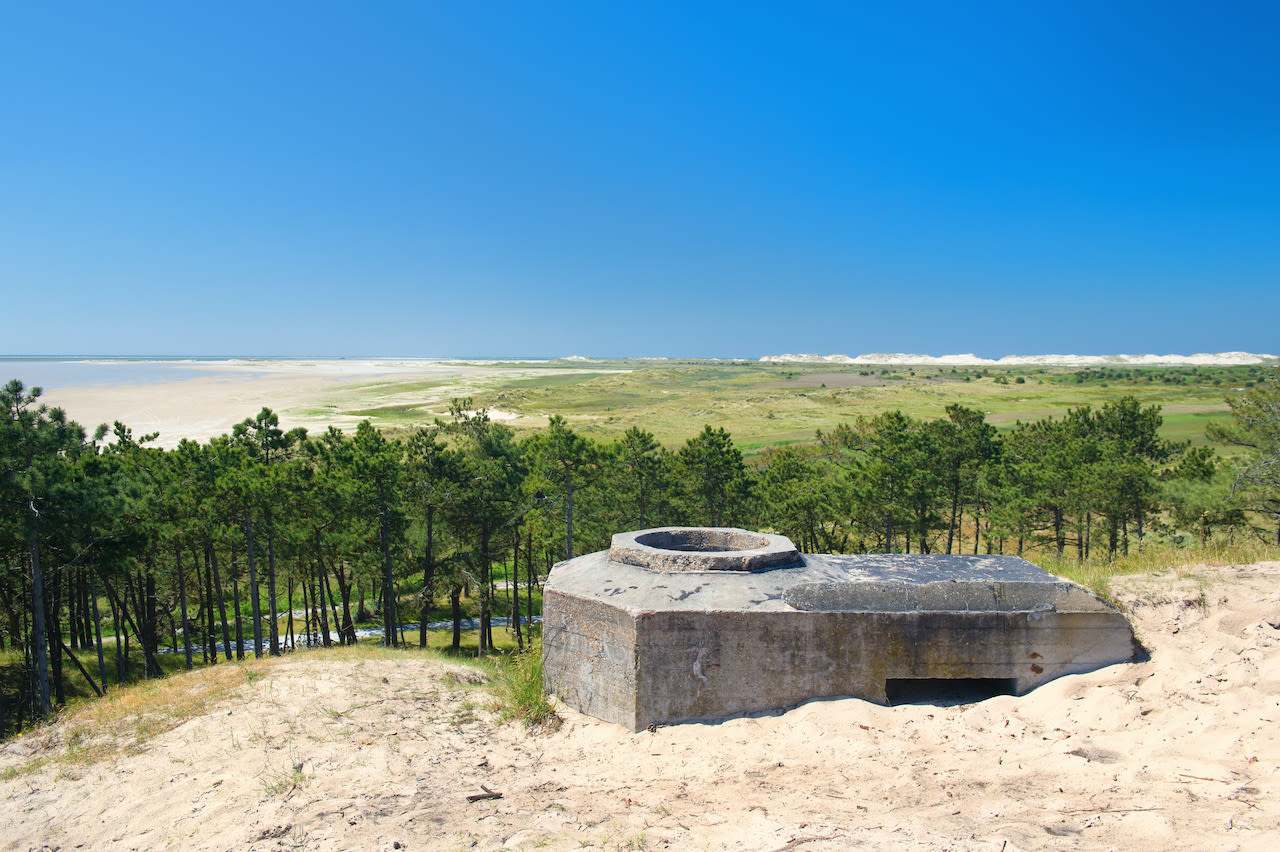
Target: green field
x=767 y=404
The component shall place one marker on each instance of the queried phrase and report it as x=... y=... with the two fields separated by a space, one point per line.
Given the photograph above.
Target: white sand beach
x=200 y=400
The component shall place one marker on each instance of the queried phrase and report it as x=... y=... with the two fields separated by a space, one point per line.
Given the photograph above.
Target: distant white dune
x=1201 y=359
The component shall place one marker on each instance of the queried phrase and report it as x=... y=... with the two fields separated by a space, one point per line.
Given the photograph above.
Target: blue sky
x=732 y=180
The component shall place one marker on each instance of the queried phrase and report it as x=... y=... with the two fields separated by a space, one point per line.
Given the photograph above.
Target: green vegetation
x=263 y=540
x=520 y=692
x=765 y=404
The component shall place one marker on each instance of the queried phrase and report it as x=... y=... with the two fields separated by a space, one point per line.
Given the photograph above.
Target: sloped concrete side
x=589 y=656
x=1063 y=643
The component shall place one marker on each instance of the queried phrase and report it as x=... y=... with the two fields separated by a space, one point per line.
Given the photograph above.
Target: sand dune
x=1181 y=751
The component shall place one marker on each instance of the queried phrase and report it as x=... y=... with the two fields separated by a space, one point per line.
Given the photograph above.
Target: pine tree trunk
x=73 y=609
x=291 y=642
x=84 y=625
x=532 y=579
x=388 y=583
x=322 y=588
x=493 y=599
x=137 y=622
x=235 y=597
x=77 y=616
x=362 y=612
x=255 y=605
x=1059 y=539
x=54 y=621
x=428 y=580
x=955 y=515
x=86 y=578
x=455 y=606
x=274 y=626
x=310 y=623
x=39 y=643
x=97 y=632
x=222 y=604
x=182 y=599
x=484 y=589
x=348 y=629
x=515 y=592
x=150 y=605
x=210 y=648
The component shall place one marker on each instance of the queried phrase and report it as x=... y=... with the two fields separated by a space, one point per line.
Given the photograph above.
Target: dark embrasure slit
x=947 y=692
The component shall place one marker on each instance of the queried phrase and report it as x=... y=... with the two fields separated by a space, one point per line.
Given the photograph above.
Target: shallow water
x=56 y=373
x=50 y=373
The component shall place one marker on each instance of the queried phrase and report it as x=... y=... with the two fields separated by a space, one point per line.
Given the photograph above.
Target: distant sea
x=50 y=373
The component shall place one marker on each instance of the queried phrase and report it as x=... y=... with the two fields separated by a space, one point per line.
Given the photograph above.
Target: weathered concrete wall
x=705 y=665
x=589 y=656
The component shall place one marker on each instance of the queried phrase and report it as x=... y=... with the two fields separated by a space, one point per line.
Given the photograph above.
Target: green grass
x=520 y=692
x=763 y=404
x=1191 y=425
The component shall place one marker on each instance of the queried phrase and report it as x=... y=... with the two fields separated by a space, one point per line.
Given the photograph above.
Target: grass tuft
x=518 y=686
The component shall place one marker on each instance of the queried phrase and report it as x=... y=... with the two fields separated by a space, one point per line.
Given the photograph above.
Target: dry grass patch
x=124 y=720
x=1096 y=574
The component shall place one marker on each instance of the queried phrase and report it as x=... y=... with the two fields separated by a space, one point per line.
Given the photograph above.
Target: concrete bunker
x=683 y=623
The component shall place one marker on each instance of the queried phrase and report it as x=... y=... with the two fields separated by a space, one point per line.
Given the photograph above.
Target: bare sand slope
x=1178 y=752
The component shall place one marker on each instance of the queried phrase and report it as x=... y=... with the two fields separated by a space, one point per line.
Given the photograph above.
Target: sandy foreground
x=1181 y=751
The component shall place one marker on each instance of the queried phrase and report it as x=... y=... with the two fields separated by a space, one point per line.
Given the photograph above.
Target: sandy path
x=1178 y=752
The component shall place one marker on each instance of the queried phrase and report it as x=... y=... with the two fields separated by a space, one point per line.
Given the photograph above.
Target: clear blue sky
x=684 y=179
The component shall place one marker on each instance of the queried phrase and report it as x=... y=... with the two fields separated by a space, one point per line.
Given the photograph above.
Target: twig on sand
x=797 y=841
x=1202 y=778
x=487 y=794
x=1107 y=810
x=375 y=702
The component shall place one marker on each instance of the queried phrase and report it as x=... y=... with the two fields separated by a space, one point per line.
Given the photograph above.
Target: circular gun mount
x=689 y=550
